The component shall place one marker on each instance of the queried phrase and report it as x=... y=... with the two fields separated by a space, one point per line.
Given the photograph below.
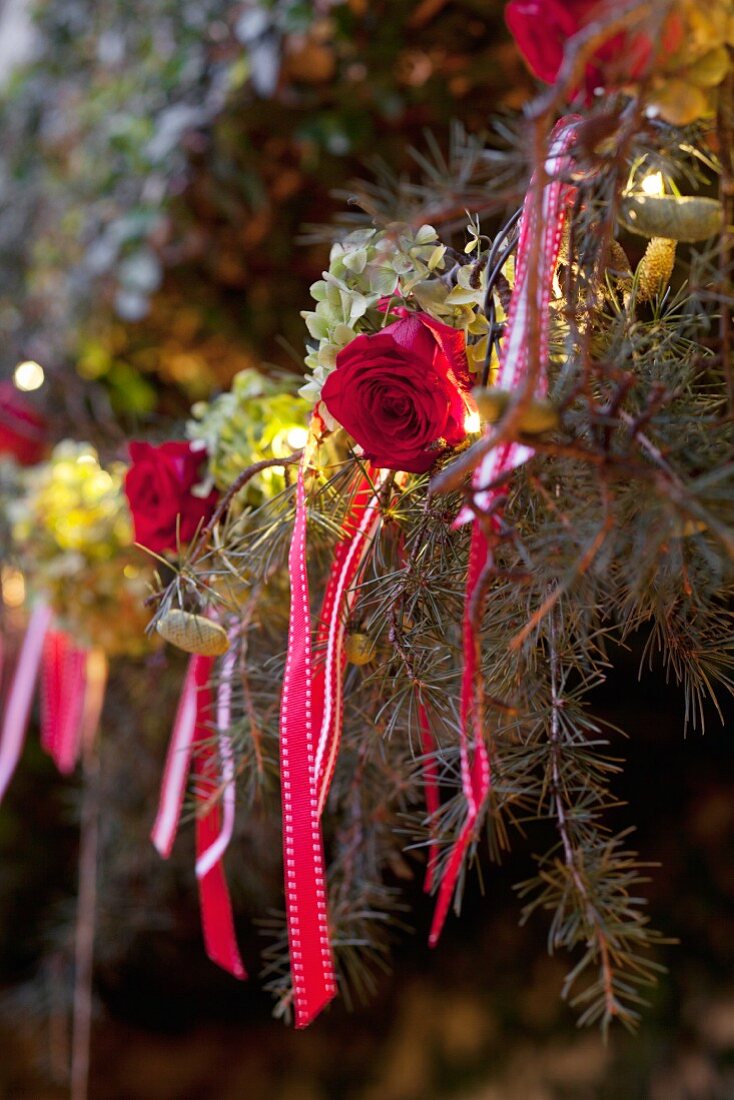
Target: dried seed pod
x=619 y=262
x=539 y=416
x=193 y=633
x=675 y=217
x=655 y=268
x=359 y=649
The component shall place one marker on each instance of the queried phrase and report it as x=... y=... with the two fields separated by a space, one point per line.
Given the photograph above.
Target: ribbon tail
x=475 y=771
x=339 y=596
x=314 y=979
x=220 y=939
x=214 y=852
x=176 y=770
x=20 y=696
x=68 y=739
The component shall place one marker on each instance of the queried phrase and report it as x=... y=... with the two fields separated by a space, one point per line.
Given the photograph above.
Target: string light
x=13 y=587
x=29 y=376
x=472 y=423
x=653 y=184
x=297 y=438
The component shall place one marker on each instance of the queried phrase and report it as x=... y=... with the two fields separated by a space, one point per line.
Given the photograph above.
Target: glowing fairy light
x=653 y=184
x=297 y=438
x=29 y=376
x=472 y=423
x=13 y=587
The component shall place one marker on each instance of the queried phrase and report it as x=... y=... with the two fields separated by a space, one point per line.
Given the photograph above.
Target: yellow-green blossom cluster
x=71 y=529
x=260 y=418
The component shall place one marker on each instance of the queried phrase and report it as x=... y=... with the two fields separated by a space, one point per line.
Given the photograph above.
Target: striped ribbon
x=310 y=734
x=191 y=741
x=529 y=306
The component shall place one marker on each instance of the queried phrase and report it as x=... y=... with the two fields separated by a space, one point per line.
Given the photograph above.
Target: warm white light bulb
x=472 y=423
x=653 y=184
x=28 y=376
x=297 y=438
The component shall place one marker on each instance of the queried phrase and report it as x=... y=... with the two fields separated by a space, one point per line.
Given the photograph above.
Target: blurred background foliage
x=161 y=160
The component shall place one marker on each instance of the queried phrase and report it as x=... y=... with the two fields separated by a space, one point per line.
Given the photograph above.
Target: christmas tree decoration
x=492 y=489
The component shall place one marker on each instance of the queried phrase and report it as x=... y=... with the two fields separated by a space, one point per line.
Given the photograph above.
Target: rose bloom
x=22 y=428
x=158 y=488
x=541 y=29
x=403 y=392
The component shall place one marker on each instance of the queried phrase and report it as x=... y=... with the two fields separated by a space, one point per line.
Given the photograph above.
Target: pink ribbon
x=547 y=223
x=475 y=774
x=178 y=760
x=20 y=696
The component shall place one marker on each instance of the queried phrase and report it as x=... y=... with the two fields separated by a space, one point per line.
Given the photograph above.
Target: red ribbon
x=547 y=222
x=192 y=736
x=310 y=734
x=312 y=966
x=63 y=690
x=475 y=774
x=216 y=908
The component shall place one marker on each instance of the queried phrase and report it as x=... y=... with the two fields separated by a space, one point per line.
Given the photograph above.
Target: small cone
x=193 y=633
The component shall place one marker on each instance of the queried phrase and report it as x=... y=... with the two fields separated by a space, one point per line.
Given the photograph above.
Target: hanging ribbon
x=216 y=908
x=211 y=855
x=529 y=306
x=310 y=733
x=20 y=695
x=191 y=738
x=63 y=691
x=475 y=774
x=178 y=760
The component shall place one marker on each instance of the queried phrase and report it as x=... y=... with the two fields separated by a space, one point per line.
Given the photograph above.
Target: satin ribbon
x=20 y=695
x=475 y=772
x=191 y=740
x=310 y=733
x=217 y=922
x=63 y=693
x=546 y=223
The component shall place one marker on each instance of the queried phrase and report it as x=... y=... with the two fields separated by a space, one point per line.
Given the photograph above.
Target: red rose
x=402 y=393
x=22 y=429
x=158 y=488
x=541 y=29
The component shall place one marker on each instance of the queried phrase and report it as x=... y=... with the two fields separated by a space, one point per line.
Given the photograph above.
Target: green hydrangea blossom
x=259 y=418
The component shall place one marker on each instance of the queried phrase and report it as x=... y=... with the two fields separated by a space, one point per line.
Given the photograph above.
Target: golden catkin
x=655 y=268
